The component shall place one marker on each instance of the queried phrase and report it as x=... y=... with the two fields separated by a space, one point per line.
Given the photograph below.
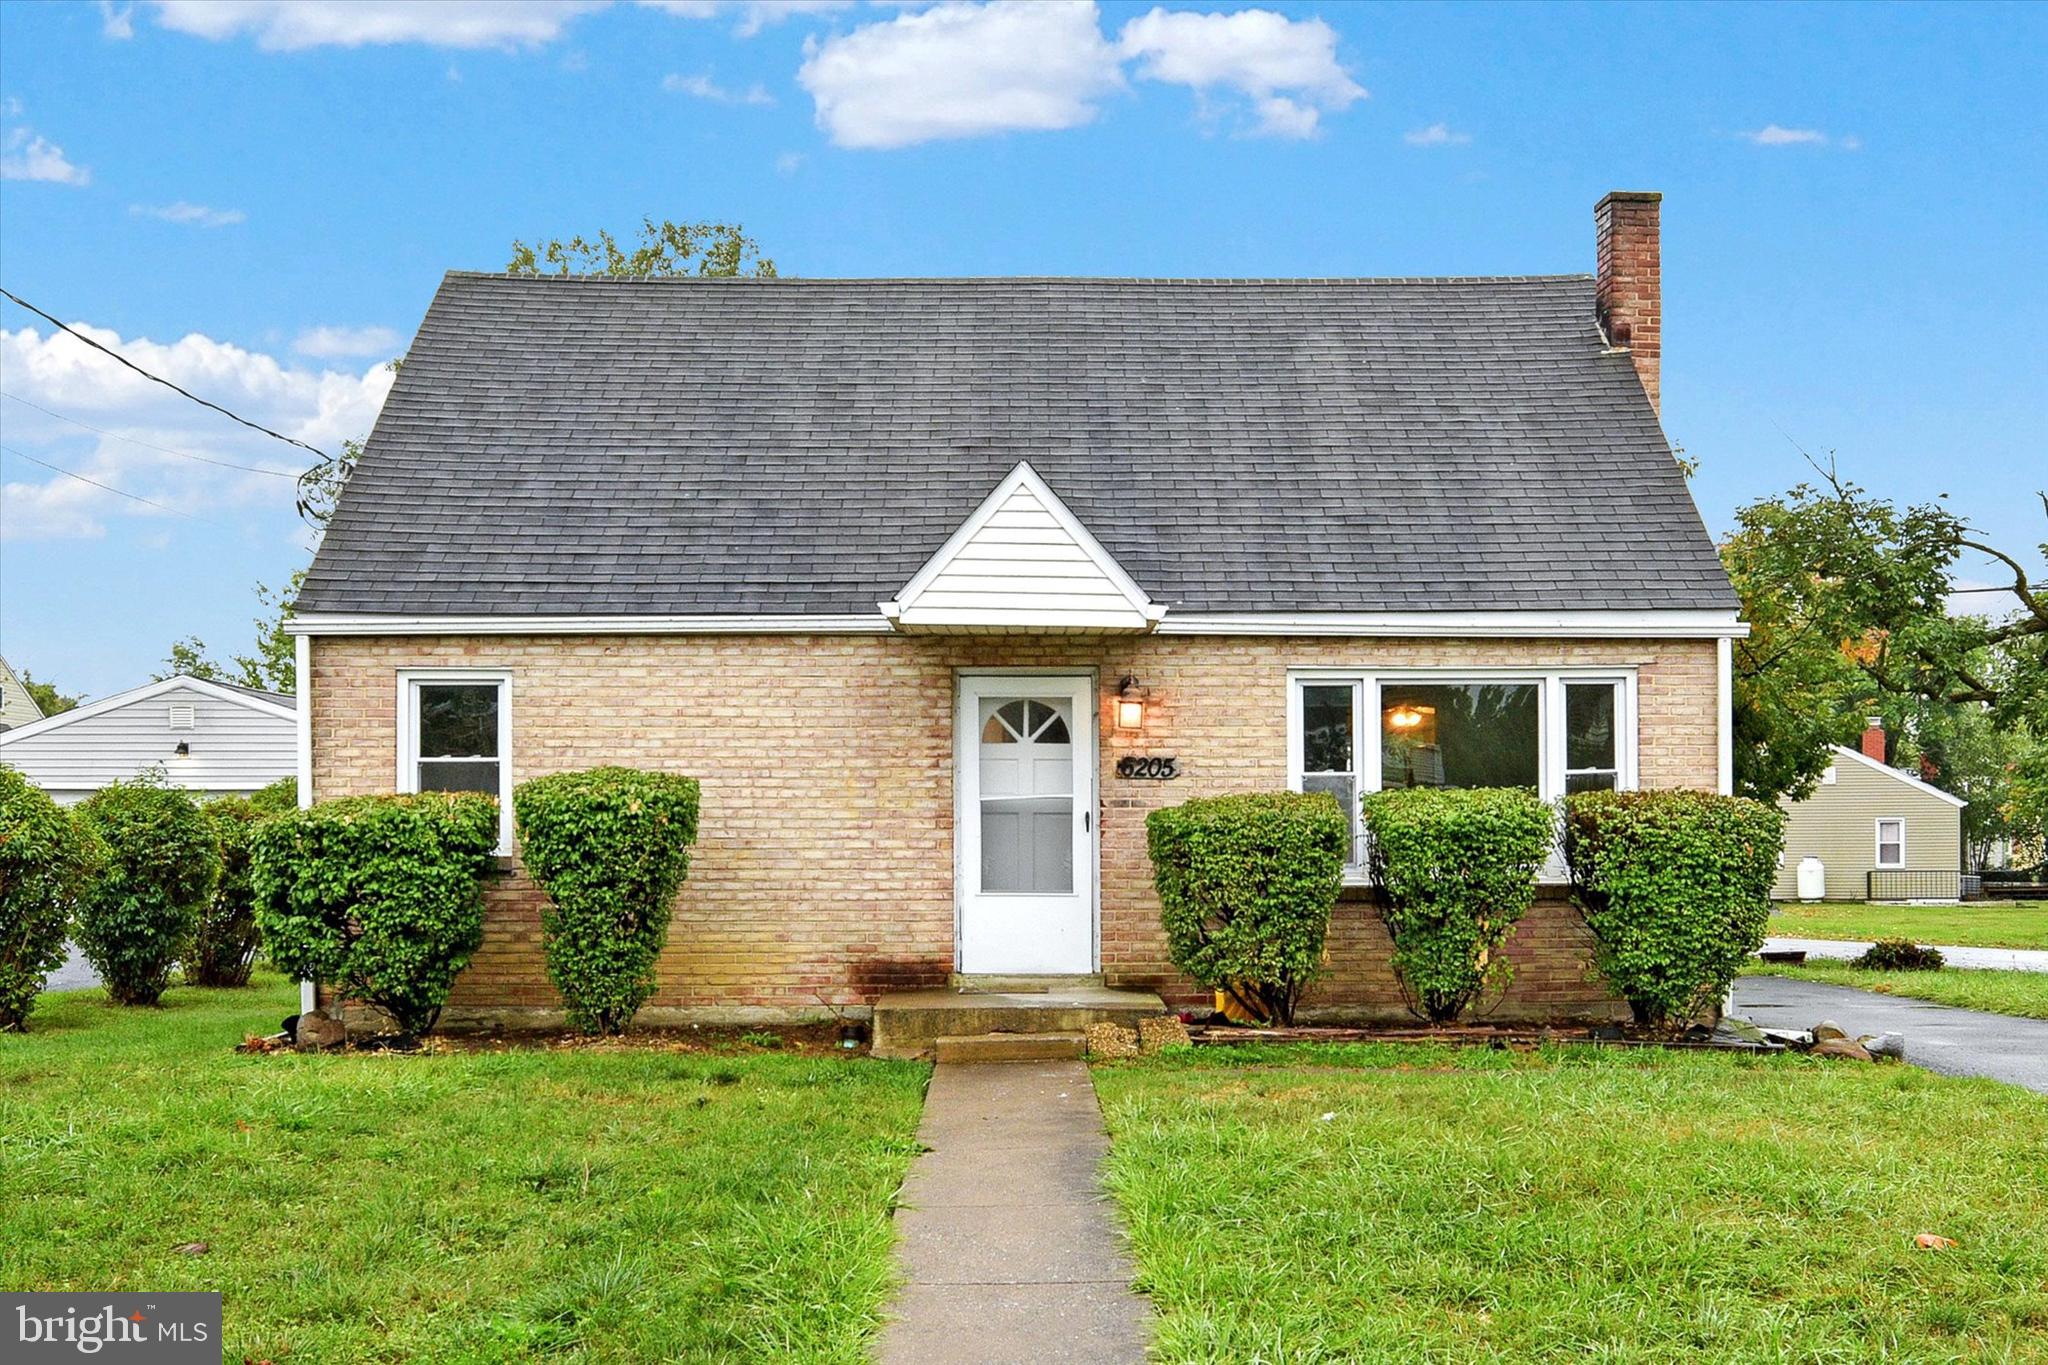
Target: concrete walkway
x=1941 y=1038
x=1994 y=959
x=1010 y=1250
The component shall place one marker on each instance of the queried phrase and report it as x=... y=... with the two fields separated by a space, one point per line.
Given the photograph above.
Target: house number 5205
x=1147 y=766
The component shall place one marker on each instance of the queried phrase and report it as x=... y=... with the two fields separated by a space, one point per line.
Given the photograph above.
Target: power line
x=157 y=379
x=109 y=487
x=146 y=445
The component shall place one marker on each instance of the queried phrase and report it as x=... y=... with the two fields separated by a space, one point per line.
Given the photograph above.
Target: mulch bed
x=803 y=1039
x=1458 y=1035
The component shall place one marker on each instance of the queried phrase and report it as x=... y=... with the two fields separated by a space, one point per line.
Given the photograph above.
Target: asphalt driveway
x=1939 y=1037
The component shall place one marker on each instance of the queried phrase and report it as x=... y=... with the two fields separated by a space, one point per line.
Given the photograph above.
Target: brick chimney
x=1628 y=293
x=1873 y=738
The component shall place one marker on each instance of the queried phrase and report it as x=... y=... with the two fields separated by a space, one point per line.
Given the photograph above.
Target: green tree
x=272 y=666
x=320 y=485
x=46 y=696
x=1847 y=595
x=712 y=250
x=2001 y=772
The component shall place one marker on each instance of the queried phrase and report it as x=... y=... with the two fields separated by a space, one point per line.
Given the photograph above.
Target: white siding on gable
x=233 y=747
x=1022 y=561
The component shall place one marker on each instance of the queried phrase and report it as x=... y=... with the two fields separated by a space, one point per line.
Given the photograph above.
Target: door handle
x=1087 y=822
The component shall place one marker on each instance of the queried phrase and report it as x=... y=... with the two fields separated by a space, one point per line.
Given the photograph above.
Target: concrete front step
x=1024 y=985
x=1011 y=1047
x=910 y=1024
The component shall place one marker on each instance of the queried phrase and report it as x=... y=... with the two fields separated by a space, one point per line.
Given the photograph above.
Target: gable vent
x=184 y=717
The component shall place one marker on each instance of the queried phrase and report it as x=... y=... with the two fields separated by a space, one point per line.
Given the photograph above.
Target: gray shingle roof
x=563 y=446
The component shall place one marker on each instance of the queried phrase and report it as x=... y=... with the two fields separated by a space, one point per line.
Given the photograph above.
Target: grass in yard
x=1388 y=1202
x=2021 y=993
x=2000 y=924
x=583 y=1205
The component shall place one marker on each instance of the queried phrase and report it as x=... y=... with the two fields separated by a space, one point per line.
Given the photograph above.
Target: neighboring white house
x=1878 y=833
x=17 y=707
x=212 y=738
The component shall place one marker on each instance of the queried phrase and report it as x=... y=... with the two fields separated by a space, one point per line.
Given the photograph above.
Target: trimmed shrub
x=1246 y=885
x=381 y=896
x=279 y=798
x=224 y=946
x=1454 y=871
x=1899 y=955
x=46 y=859
x=163 y=860
x=1675 y=886
x=611 y=847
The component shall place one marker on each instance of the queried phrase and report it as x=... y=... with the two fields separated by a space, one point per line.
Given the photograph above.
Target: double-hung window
x=1891 y=843
x=455 y=735
x=1550 y=731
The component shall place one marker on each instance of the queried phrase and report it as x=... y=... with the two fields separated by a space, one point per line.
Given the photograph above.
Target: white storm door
x=1026 y=820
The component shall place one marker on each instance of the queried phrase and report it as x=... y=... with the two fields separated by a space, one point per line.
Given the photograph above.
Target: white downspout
x=302 y=667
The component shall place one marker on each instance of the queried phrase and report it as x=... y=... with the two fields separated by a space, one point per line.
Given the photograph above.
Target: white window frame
x=1366 y=738
x=409 y=683
x=1877 y=856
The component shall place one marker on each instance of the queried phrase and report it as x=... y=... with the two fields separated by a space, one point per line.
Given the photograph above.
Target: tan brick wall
x=824 y=874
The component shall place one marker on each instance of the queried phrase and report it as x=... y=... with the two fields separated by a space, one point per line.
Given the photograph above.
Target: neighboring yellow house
x=1878 y=833
x=17 y=707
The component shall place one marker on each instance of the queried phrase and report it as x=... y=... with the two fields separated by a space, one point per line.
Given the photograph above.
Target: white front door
x=1025 y=759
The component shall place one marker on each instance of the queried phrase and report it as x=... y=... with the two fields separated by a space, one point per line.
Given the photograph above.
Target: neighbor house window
x=1545 y=731
x=455 y=735
x=1891 y=843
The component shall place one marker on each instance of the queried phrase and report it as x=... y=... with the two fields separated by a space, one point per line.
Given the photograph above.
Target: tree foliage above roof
x=667 y=248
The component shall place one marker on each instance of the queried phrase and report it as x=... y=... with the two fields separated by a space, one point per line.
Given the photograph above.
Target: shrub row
x=1674 y=886
x=142 y=874
x=382 y=896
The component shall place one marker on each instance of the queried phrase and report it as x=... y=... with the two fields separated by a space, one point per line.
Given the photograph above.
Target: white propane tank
x=1813 y=879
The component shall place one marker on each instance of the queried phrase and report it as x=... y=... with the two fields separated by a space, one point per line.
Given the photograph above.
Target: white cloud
x=754 y=15
x=1286 y=69
x=1436 y=135
x=295 y=25
x=117 y=22
x=195 y=215
x=789 y=163
x=704 y=88
x=328 y=343
x=1776 y=135
x=961 y=70
x=57 y=372
x=24 y=155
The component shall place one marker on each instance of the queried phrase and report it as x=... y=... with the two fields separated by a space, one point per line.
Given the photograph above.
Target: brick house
x=939 y=586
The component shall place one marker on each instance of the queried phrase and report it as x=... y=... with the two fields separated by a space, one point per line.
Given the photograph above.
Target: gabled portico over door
x=1025 y=841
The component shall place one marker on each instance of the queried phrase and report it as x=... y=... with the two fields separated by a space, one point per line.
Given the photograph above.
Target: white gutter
x=1634 y=625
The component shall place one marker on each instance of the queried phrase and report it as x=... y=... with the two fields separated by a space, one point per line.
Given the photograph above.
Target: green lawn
x=1387 y=1202
x=1991 y=924
x=585 y=1205
x=2021 y=993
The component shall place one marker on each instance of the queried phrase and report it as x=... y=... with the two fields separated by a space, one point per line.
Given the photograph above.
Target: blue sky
x=259 y=199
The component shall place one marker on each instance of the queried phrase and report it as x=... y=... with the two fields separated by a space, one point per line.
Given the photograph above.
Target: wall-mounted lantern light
x=1130 y=703
x=184 y=749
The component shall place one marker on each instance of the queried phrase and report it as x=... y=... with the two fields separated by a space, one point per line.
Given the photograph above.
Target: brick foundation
x=824 y=872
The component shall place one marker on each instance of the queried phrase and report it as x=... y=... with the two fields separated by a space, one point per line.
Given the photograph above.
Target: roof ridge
x=715 y=281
